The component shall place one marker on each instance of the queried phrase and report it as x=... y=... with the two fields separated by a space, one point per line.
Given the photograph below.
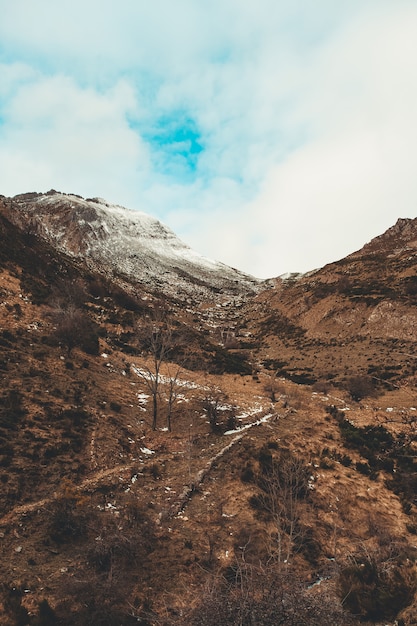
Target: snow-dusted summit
x=126 y=242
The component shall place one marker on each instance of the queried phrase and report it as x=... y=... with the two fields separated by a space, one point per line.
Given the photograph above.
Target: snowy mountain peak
x=126 y=242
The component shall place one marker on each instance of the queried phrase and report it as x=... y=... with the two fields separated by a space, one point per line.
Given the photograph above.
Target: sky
x=273 y=135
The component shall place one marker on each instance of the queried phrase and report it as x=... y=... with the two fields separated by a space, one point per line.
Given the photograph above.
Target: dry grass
x=85 y=420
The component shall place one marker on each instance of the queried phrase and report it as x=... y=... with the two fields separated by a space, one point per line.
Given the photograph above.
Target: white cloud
x=353 y=173
x=60 y=135
x=305 y=112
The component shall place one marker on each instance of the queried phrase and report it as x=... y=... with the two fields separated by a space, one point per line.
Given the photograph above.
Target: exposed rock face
x=399 y=238
x=126 y=242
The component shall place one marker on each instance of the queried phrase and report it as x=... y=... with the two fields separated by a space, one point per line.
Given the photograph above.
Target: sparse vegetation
x=212 y=403
x=376 y=584
x=297 y=515
x=361 y=387
x=68 y=520
x=11 y=411
x=283 y=483
x=73 y=328
x=257 y=595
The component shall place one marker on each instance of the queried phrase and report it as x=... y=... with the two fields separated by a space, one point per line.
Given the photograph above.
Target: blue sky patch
x=176 y=144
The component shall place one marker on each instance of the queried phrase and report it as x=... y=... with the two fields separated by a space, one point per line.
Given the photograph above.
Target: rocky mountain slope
x=283 y=489
x=400 y=238
x=354 y=317
x=127 y=243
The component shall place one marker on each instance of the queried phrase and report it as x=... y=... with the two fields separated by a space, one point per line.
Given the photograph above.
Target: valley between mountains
x=181 y=443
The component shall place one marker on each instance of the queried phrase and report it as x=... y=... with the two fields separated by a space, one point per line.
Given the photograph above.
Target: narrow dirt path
x=99 y=475
x=85 y=484
x=187 y=493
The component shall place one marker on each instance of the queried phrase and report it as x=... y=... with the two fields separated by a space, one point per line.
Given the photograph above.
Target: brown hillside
x=269 y=499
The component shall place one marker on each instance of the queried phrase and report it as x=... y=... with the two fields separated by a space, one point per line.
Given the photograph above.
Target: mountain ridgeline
x=125 y=243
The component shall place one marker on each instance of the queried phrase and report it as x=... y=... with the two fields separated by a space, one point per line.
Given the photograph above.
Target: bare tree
x=212 y=401
x=272 y=386
x=172 y=390
x=284 y=483
x=227 y=336
x=156 y=338
x=69 y=293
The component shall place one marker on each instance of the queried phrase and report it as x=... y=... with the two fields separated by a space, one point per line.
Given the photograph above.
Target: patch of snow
x=143 y=397
x=164 y=380
x=147 y=451
x=263 y=419
x=224 y=407
x=254 y=411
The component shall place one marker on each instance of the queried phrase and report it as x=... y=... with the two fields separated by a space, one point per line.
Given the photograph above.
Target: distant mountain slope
x=356 y=316
x=125 y=242
x=397 y=239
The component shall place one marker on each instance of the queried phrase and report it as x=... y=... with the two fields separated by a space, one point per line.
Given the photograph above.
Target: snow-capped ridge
x=127 y=242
